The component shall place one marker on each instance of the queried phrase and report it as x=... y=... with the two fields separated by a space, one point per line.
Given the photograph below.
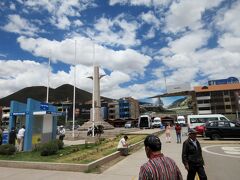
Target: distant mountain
x=63 y=93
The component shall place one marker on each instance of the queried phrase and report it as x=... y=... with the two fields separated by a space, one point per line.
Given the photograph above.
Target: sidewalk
x=127 y=169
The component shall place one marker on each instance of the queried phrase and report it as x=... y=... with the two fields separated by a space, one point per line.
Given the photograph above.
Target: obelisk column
x=96 y=95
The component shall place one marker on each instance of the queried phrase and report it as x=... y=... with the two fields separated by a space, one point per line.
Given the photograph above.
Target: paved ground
x=127 y=169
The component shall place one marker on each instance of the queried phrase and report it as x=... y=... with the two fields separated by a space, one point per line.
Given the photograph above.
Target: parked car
x=129 y=124
x=200 y=129
x=222 y=129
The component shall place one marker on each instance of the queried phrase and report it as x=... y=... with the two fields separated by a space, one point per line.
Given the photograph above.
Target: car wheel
x=216 y=137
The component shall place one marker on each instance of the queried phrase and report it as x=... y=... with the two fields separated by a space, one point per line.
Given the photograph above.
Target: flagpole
x=49 y=64
x=93 y=96
x=74 y=91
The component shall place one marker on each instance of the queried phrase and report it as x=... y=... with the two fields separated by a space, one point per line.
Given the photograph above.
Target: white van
x=198 y=120
x=144 y=121
x=181 y=120
x=157 y=122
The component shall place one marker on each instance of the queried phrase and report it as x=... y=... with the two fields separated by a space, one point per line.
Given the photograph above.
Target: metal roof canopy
x=182 y=93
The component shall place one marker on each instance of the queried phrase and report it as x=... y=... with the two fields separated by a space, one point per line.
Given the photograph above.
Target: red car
x=200 y=129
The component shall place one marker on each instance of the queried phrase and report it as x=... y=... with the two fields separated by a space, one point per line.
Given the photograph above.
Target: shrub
x=59 y=143
x=7 y=149
x=49 y=148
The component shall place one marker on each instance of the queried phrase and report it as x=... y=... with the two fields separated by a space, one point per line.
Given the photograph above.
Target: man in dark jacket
x=192 y=157
x=12 y=136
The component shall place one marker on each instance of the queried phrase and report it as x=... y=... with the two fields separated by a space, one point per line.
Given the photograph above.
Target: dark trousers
x=196 y=169
x=179 y=138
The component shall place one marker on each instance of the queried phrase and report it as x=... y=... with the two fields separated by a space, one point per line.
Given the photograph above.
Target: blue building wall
x=124 y=108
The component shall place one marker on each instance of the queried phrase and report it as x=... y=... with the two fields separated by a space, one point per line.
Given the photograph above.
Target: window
x=228 y=107
x=223 y=124
x=223 y=119
x=232 y=125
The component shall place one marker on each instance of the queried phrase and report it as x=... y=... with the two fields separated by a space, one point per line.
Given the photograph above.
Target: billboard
x=178 y=87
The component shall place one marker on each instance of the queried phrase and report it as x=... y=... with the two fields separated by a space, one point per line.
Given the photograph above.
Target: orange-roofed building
x=218 y=99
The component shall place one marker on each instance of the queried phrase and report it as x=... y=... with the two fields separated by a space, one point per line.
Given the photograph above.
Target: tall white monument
x=95 y=116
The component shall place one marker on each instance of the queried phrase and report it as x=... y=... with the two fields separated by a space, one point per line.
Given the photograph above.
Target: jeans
x=179 y=138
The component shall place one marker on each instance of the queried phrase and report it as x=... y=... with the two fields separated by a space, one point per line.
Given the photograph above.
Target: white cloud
x=185 y=14
x=78 y=22
x=227 y=20
x=190 y=41
x=128 y=61
x=60 y=10
x=230 y=42
x=12 y=6
x=20 y=25
x=116 y=32
x=17 y=74
x=148 y=3
x=150 y=18
x=150 y=34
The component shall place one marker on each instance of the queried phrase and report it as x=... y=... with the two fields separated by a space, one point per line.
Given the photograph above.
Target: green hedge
x=7 y=149
x=50 y=148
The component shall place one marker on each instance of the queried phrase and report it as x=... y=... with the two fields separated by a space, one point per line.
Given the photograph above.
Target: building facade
x=128 y=108
x=218 y=99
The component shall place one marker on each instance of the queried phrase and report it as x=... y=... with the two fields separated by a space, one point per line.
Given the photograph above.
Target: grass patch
x=82 y=154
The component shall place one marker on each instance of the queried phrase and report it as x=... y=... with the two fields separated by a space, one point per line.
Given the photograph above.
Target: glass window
x=223 y=119
x=232 y=125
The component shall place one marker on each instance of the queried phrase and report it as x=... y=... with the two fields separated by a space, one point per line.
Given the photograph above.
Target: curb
x=65 y=166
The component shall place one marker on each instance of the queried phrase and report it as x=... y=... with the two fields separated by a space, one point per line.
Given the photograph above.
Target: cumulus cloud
x=18 y=74
x=128 y=61
x=19 y=25
x=116 y=32
x=60 y=11
x=187 y=14
x=226 y=19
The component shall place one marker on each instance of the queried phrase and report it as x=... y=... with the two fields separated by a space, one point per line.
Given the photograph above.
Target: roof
x=221 y=87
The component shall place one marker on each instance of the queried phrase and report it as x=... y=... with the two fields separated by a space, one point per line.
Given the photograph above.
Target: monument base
x=89 y=123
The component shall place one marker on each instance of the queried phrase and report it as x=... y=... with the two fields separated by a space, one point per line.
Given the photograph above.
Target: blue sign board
x=5 y=137
x=44 y=106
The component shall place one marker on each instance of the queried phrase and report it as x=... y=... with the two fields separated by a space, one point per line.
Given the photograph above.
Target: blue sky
x=136 y=43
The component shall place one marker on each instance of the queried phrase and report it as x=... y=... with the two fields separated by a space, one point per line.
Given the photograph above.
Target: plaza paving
x=127 y=168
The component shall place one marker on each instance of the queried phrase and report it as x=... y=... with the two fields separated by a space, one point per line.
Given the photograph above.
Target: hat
x=192 y=131
x=61 y=126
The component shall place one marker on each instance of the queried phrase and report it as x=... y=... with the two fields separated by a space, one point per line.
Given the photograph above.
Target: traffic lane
x=222 y=161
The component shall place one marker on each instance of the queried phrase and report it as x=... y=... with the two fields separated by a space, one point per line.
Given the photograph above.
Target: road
x=222 y=161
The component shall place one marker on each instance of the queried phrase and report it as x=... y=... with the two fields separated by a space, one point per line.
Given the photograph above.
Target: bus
x=144 y=121
x=199 y=120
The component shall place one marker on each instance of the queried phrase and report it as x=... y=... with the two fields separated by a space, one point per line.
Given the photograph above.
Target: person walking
x=158 y=166
x=178 y=129
x=192 y=157
x=12 y=136
x=1 y=135
x=61 y=133
x=168 y=133
x=123 y=146
x=20 y=138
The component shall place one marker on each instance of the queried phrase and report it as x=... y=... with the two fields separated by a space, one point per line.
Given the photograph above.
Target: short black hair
x=153 y=142
x=125 y=137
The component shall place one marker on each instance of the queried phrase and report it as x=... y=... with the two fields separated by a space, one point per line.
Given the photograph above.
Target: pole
x=165 y=82
x=49 y=69
x=74 y=91
x=93 y=95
